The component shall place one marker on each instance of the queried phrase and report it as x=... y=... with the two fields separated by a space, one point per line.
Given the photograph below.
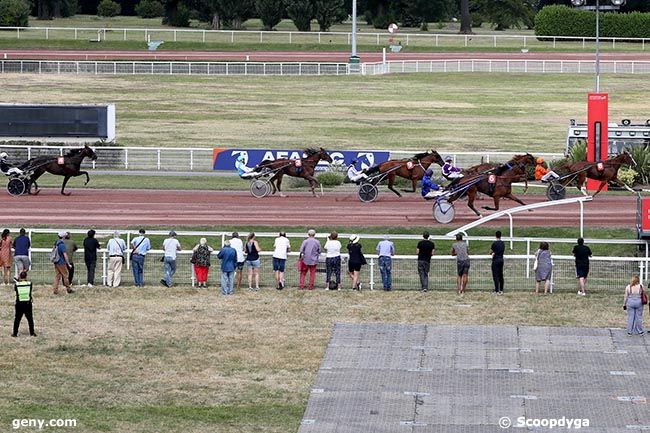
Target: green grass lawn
x=449 y=112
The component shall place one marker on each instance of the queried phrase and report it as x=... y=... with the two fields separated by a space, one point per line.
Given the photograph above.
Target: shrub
x=150 y=9
x=14 y=13
x=69 y=8
x=108 y=8
x=627 y=176
x=424 y=27
x=178 y=18
x=641 y=156
x=578 y=152
x=477 y=19
x=329 y=178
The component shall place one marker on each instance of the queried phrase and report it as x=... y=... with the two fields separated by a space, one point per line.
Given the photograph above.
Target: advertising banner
x=232 y=159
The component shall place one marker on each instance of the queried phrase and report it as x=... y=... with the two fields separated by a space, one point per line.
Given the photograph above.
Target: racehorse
x=68 y=166
x=295 y=167
x=607 y=172
x=412 y=168
x=495 y=182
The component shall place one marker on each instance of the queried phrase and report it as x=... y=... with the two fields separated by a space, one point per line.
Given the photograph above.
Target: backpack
x=54 y=254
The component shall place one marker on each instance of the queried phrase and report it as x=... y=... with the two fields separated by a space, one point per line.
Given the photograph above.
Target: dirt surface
x=295 y=56
x=119 y=208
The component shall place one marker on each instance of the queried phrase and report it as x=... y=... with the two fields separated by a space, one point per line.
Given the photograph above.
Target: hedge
x=560 y=20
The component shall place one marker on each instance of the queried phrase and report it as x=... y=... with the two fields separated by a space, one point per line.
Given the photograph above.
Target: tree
x=327 y=12
x=417 y=12
x=48 y=9
x=465 y=18
x=270 y=12
x=14 y=13
x=108 y=8
x=150 y=9
x=233 y=13
x=301 y=12
x=506 y=13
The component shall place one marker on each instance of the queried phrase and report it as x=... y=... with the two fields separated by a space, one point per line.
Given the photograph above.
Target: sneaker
x=33 y=335
x=14 y=335
x=257 y=289
x=70 y=290
x=164 y=283
x=250 y=289
x=281 y=285
x=359 y=287
x=90 y=286
x=55 y=291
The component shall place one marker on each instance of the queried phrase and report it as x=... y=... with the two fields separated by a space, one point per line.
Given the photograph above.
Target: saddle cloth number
x=492 y=179
x=60 y=160
x=409 y=165
x=600 y=166
x=298 y=163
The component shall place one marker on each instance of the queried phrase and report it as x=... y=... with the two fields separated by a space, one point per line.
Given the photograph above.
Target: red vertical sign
x=645 y=213
x=597 y=134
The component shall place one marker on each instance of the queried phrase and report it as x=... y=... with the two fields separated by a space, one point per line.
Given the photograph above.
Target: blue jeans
x=137 y=263
x=385 y=265
x=170 y=269
x=227 y=282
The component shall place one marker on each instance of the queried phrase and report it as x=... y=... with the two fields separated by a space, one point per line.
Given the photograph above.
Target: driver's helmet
x=449 y=158
x=428 y=173
x=241 y=157
x=540 y=160
x=4 y=155
x=353 y=162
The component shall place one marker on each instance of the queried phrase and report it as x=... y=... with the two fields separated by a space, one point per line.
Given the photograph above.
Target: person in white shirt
x=171 y=247
x=355 y=175
x=281 y=247
x=333 y=261
x=116 y=248
x=238 y=245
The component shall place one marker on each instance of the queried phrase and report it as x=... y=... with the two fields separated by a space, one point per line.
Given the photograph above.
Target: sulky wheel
x=260 y=188
x=443 y=211
x=556 y=191
x=16 y=187
x=368 y=192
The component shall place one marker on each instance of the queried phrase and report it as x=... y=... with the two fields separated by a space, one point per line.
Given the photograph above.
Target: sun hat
x=354 y=239
x=62 y=234
x=203 y=241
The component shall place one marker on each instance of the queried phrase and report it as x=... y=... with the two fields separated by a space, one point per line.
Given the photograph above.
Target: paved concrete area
x=379 y=378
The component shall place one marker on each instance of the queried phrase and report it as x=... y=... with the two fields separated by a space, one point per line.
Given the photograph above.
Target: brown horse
x=495 y=182
x=295 y=167
x=68 y=166
x=409 y=168
x=607 y=172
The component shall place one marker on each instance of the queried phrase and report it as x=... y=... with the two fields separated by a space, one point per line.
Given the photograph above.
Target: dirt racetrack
x=104 y=208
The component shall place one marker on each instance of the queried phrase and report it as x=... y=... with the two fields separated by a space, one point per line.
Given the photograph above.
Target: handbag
x=644 y=297
x=193 y=259
x=535 y=264
x=301 y=265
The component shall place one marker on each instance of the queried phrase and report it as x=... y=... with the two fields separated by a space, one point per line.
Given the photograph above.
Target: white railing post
x=372 y=273
x=126 y=159
x=104 y=268
x=158 y=162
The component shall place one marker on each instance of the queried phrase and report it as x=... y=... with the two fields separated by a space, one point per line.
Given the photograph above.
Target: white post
x=372 y=273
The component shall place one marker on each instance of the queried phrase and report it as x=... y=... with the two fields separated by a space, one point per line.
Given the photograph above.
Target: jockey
x=542 y=173
x=7 y=168
x=430 y=189
x=355 y=175
x=243 y=170
x=449 y=170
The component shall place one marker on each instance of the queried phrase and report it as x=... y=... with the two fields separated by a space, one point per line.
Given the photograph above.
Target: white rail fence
x=197 y=158
x=506 y=66
x=323 y=38
x=170 y=68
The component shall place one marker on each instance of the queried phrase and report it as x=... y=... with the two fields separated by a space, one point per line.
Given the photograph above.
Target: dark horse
x=502 y=176
x=295 y=167
x=608 y=172
x=68 y=166
x=412 y=168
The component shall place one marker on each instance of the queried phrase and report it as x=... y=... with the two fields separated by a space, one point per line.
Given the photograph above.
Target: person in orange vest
x=542 y=173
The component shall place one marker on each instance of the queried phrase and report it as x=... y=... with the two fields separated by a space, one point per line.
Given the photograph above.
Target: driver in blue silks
x=243 y=170
x=430 y=189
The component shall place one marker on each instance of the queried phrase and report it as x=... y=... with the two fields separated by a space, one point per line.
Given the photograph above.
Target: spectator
x=6 y=260
x=309 y=255
x=201 y=260
x=70 y=247
x=355 y=261
x=333 y=261
x=460 y=250
x=22 y=245
x=386 y=251
x=23 y=288
x=116 y=248
x=61 y=266
x=632 y=303
x=497 y=249
x=238 y=246
x=228 y=257
x=171 y=247
x=281 y=247
x=253 y=261
x=582 y=253
x=91 y=246
x=543 y=267
x=140 y=246
x=425 y=250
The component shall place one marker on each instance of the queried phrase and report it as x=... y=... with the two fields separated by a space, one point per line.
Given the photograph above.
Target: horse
x=68 y=166
x=607 y=172
x=495 y=182
x=409 y=168
x=295 y=167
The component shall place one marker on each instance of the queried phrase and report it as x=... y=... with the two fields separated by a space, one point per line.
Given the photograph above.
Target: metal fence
x=197 y=158
x=322 y=38
x=606 y=273
x=506 y=66
x=171 y=68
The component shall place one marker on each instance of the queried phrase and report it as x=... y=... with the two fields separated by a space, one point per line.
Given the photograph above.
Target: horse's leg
x=582 y=177
x=471 y=196
x=391 y=182
x=414 y=184
x=620 y=183
x=313 y=183
x=513 y=198
x=65 y=181
x=87 y=177
x=496 y=199
x=600 y=187
x=278 y=182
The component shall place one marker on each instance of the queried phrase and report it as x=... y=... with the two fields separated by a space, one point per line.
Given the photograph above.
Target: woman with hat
x=355 y=261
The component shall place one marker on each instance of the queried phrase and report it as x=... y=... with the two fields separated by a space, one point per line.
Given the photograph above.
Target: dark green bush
x=108 y=8
x=560 y=20
x=14 y=13
x=150 y=9
x=329 y=178
x=477 y=19
x=178 y=18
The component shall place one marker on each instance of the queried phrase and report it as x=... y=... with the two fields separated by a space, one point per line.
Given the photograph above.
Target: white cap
x=62 y=234
x=354 y=239
x=3 y=155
